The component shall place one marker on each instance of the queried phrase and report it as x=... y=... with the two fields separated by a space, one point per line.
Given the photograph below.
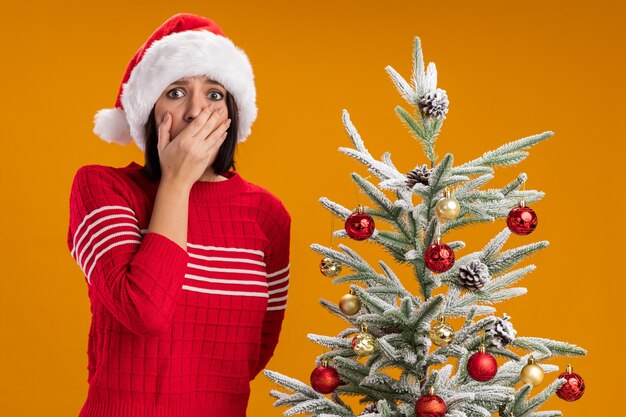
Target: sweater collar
x=233 y=184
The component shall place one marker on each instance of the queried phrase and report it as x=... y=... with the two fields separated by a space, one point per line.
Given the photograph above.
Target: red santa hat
x=185 y=45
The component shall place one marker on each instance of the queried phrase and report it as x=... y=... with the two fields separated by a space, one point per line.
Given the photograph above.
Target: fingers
x=219 y=131
x=214 y=141
x=218 y=142
x=164 y=132
x=209 y=122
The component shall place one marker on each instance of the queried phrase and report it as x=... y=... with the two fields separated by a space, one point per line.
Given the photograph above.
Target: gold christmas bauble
x=441 y=333
x=363 y=343
x=532 y=373
x=448 y=208
x=330 y=267
x=350 y=304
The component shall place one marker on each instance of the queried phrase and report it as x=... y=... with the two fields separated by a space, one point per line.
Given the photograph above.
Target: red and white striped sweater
x=174 y=332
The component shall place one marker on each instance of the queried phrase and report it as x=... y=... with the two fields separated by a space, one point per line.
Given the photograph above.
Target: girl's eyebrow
x=186 y=82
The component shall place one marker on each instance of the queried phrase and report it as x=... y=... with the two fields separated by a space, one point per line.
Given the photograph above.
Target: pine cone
x=434 y=104
x=474 y=275
x=502 y=331
x=371 y=408
x=418 y=174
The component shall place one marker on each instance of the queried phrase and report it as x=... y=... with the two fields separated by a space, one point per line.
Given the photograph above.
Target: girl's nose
x=195 y=105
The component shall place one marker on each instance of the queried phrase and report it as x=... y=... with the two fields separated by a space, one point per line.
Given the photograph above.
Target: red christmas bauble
x=430 y=405
x=359 y=225
x=482 y=366
x=522 y=220
x=574 y=387
x=439 y=257
x=325 y=379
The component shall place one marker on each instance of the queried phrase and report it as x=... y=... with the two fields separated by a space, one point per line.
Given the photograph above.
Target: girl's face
x=185 y=99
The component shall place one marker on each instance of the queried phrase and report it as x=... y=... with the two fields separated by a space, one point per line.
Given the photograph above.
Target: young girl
x=186 y=263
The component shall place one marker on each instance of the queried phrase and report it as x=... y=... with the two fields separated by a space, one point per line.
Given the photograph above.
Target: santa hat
x=185 y=45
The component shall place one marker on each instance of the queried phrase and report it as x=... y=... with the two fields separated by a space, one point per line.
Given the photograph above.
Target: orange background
x=510 y=70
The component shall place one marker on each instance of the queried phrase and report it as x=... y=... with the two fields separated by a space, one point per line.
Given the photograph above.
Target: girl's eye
x=216 y=95
x=174 y=90
x=178 y=93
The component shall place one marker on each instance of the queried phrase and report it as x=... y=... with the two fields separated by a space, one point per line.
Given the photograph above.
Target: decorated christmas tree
x=399 y=355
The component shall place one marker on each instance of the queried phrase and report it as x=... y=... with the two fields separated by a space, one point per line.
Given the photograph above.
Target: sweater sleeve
x=136 y=278
x=278 y=266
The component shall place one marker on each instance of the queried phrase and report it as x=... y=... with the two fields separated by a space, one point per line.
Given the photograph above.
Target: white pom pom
x=111 y=126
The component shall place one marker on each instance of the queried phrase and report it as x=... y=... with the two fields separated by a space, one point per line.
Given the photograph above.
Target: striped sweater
x=175 y=332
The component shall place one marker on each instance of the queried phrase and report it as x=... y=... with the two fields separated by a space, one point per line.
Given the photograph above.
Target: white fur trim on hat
x=111 y=125
x=187 y=54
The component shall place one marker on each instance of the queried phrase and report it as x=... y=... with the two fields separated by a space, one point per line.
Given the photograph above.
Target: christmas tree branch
x=405 y=90
x=288 y=399
x=423 y=82
x=523 y=407
x=419 y=75
x=332 y=307
x=515 y=184
x=337 y=209
x=419 y=132
x=471 y=170
x=510 y=258
x=397 y=283
x=432 y=127
x=314 y=407
x=508 y=279
x=361 y=154
x=329 y=341
x=551 y=413
x=420 y=319
x=358 y=277
x=437 y=180
x=305 y=399
x=473 y=184
x=374 y=303
x=377 y=196
x=495 y=245
x=381 y=363
x=470 y=328
x=349 y=258
x=463 y=221
x=344 y=353
x=393 y=243
x=552 y=347
x=509 y=153
x=377 y=322
x=534 y=403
